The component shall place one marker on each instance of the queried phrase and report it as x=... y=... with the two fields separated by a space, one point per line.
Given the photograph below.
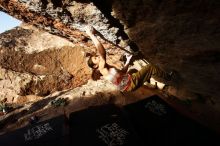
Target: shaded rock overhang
x=55 y=18
x=37 y=17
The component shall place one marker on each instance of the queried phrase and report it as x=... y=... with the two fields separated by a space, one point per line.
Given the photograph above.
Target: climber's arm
x=99 y=46
x=101 y=50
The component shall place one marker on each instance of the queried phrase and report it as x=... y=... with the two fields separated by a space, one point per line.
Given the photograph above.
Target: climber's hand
x=90 y=30
x=128 y=58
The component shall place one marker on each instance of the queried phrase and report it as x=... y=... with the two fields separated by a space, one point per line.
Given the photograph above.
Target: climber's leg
x=144 y=75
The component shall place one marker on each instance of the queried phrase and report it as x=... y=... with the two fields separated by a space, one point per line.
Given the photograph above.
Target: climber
x=123 y=80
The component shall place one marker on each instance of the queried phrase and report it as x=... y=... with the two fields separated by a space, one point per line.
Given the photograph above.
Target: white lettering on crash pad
x=37 y=132
x=112 y=134
x=157 y=108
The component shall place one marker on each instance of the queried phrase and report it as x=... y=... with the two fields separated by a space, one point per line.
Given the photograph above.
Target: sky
x=7 y=22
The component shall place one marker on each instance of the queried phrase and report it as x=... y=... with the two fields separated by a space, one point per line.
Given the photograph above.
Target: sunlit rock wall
x=36 y=62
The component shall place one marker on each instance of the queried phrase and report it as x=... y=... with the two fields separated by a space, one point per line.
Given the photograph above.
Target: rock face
x=178 y=35
x=36 y=62
x=37 y=67
x=63 y=18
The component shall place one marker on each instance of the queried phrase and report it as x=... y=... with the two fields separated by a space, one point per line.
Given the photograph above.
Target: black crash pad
x=157 y=123
x=46 y=133
x=101 y=126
